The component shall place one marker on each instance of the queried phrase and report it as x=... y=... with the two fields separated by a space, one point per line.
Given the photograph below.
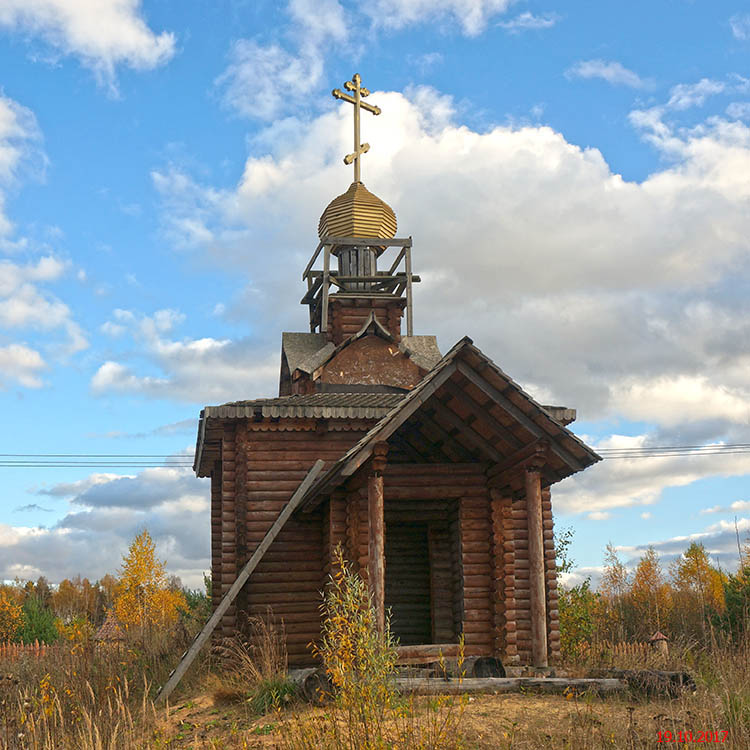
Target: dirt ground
x=490 y=721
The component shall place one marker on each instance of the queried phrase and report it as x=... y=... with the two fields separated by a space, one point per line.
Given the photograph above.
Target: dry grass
x=81 y=698
x=78 y=696
x=255 y=670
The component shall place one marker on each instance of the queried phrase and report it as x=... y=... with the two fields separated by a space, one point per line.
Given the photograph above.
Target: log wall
x=477 y=546
x=347 y=317
x=553 y=618
x=407 y=582
x=228 y=564
x=262 y=464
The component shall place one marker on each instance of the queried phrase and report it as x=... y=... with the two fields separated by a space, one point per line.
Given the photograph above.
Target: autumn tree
x=735 y=620
x=698 y=590
x=108 y=586
x=11 y=616
x=143 y=597
x=650 y=595
x=614 y=588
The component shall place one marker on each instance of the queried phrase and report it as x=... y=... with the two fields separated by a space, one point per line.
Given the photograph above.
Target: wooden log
x=536 y=568
x=437 y=686
x=376 y=547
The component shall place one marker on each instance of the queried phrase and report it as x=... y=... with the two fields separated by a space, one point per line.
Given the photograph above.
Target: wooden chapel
x=438 y=468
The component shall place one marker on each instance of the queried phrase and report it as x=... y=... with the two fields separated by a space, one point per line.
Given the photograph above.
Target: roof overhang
x=471 y=400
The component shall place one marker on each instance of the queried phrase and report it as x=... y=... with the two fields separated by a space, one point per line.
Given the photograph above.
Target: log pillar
x=376 y=534
x=537 y=588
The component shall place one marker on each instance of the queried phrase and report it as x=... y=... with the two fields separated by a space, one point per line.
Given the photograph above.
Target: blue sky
x=162 y=169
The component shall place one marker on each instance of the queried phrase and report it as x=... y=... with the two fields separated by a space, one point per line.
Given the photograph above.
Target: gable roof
x=308 y=352
x=535 y=424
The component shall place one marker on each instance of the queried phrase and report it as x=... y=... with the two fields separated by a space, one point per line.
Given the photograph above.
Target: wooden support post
x=536 y=567
x=409 y=303
x=324 y=293
x=376 y=547
x=376 y=526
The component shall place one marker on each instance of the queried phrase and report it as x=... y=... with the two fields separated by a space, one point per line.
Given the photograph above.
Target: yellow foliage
x=78 y=631
x=142 y=598
x=650 y=594
x=11 y=617
x=694 y=574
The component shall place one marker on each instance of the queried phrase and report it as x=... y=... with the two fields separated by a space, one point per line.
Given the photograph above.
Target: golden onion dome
x=357 y=213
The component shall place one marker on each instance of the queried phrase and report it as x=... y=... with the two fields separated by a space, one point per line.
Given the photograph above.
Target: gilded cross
x=360 y=92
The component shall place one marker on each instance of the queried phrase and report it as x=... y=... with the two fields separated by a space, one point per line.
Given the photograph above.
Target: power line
x=92 y=455
x=668 y=451
x=170 y=460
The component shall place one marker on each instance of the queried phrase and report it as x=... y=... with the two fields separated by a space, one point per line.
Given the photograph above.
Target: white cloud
x=259 y=78
x=611 y=71
x=739 y=110
x=599 y=515
x=262 y=80
x=740 y=25
x=738 y=506
x=646 y=515
x=687 y=95
x=70 y=489
x=528 y=21
x=19 y=136
x=101 y=33
x=621 y=483
x=193 y=370
x=682 y=398
x=106 y=512
x=719 y=539
x=20 y=363
x=425 y=62
x=472 y=16
x=24 y=304
x=559 y=237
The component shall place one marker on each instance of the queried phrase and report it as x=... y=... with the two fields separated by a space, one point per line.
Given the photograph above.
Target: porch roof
x=467 y=409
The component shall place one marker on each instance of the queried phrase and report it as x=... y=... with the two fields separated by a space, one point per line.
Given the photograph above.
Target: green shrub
x=38 y=622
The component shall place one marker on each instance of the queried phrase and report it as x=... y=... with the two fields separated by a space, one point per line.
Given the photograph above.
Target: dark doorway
x=407 y=582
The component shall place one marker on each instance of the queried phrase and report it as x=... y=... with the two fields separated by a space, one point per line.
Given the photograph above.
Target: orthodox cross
x=360 y=92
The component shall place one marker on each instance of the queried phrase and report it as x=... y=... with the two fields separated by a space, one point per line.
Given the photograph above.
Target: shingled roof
x=363 y=405
x=370 y=405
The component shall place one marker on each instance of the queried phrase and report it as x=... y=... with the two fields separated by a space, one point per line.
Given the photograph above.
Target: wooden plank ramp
x=200 y=640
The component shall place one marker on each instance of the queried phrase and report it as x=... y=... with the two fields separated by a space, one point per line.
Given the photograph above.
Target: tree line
x=142 y=596
x=691 y=601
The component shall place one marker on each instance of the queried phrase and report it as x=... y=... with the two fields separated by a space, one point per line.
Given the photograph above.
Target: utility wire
x=162 y=460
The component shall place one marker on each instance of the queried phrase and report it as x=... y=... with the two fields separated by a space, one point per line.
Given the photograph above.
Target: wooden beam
x=401 y=442
x=517 y=414
x=516 y=459
x=447 y=440
x=200 y=640
x=376 y=547
x=441 y=686
x=467 y=430
x=428 y=449
x=368 y=241
x=397 y=261
x=324 y=295
x=313 y=259
x=480 y=413
x=409 y=305
x=404 y=412
x=537 y=587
